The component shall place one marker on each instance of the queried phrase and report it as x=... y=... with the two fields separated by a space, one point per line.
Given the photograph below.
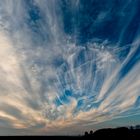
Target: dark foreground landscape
x=115 y=133
x=107 y=133
x=132 y=132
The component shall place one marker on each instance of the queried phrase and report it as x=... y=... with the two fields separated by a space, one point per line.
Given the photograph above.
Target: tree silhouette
x=86 y=133
x=91 y=132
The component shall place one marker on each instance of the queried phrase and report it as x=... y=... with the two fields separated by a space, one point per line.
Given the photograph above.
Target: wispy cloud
x=50 y=83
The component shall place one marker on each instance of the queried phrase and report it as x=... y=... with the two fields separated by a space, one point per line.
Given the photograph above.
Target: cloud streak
x=50 y=81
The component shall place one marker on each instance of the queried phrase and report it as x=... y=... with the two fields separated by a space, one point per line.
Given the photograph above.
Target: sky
x=68 y=66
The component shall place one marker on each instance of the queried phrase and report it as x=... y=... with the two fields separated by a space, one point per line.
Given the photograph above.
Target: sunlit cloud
x=54 y=78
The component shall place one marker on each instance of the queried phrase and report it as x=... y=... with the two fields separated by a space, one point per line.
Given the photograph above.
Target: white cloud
x=30 y=81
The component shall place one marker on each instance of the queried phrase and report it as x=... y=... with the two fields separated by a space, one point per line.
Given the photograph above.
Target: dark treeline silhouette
x=128 y=132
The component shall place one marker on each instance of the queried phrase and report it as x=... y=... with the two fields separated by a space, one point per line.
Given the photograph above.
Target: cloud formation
x=53 y=80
